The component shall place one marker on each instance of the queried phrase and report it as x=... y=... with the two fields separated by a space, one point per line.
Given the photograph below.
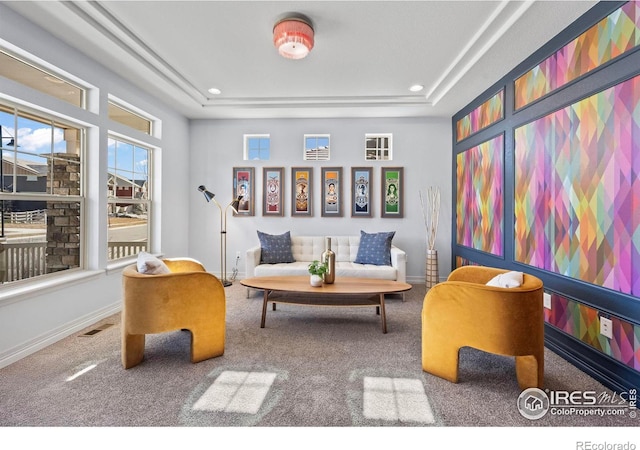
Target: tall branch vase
x=431 y=276
x=431 y=213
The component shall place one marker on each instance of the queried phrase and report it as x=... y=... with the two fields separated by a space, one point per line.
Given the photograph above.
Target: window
x=41 y=80
x=41 y=194
x=128 y=118
x=128 y=198
x=316 y=147
x=378 y=147
x=257 y=147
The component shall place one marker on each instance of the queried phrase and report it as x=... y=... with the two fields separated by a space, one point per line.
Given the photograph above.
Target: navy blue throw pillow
x=275 y=248
x=375 y=248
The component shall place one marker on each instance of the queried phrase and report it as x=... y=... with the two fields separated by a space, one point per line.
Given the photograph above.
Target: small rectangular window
x=41 y=80
x=317 y=147
x=378 y=147
x=128 y=118
x=257 y=147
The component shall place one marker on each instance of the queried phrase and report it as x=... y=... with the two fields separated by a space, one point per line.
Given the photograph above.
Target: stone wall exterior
x=63 y=219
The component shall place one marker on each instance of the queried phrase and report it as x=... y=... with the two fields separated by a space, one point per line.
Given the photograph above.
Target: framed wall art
x=332 y=192
x=361 y=204
x=301 y=191
x=392 y=191
x=272 y=188
x=243 y=186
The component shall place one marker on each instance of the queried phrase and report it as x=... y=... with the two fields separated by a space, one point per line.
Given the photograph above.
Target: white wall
x=420 y=145
x=33 y=316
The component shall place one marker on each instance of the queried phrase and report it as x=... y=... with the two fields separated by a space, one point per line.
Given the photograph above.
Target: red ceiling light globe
x=293 y=37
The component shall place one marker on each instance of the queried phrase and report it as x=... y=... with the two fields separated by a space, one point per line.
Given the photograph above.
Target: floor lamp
x=223 y=230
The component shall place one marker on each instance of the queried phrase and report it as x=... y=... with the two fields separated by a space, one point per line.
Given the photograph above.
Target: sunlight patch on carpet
x=396 y=399
x=82 y=372
x=238 y=392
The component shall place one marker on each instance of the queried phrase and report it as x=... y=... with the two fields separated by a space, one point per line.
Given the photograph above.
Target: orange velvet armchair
x=187 y=298
x=464 y=312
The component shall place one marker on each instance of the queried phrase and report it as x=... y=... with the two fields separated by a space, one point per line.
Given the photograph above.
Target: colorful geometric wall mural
x=583 y=323
x=577 y=190
x=614 y=35
x=479 y=203
x=484 y=115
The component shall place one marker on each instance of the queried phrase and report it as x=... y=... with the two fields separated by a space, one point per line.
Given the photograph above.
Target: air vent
x=97 y=330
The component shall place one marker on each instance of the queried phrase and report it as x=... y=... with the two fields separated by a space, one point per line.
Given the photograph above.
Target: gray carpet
x=320 y=358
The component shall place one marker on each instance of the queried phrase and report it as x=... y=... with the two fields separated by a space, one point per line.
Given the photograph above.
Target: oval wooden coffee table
x=345 y=291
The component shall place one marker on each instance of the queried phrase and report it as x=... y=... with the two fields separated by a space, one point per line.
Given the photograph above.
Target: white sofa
x=305 y=249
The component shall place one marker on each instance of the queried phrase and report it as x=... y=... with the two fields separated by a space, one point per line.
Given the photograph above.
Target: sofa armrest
x=399 y=262
x=252 y=260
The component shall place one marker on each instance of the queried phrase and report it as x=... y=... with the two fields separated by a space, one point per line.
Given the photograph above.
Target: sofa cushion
x=307 y=248
x=150 y=265
x=351 y=269
x=275 y=248
x=282 y=269
x=343 y=269
x=375 y=248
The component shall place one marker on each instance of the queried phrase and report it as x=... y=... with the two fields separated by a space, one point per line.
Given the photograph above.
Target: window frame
x=54 y=120
x=246 y=149
x=60 y=82
x=306 y=156
x=379 y=150
x=132 y=113
x=148 y=202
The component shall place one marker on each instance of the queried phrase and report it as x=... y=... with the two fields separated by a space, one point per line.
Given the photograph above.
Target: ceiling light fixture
x=293 y=36
x=416 y=88
x=215 y=91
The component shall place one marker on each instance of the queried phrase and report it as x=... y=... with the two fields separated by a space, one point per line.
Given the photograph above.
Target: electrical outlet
x=606 y=327
x=546 y=300
x=237 y=255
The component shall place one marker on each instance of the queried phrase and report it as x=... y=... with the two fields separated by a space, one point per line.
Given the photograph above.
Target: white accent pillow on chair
x=150 y=265
x=506 y=280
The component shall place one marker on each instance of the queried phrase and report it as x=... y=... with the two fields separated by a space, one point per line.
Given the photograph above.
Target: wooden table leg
x=383 y=315
x=264 y=307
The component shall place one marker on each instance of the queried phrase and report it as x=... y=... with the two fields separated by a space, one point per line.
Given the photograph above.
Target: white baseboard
x=15 y=354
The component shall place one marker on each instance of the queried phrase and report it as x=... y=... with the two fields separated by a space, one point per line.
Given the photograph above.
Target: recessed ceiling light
x=416 y=88
x=215 y=91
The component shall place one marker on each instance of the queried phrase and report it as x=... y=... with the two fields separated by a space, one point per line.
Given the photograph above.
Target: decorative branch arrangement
x=431 y=213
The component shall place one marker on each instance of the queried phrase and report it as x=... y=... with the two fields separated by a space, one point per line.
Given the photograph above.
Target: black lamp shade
x=208 y=195
x=236 y=203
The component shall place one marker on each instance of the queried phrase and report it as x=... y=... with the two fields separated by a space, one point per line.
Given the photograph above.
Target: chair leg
x=529 y=372
x=207 y=343
x=440 y=359
x=132 y=349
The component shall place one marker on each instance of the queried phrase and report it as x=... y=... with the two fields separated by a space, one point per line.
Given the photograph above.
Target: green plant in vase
x=317 y=271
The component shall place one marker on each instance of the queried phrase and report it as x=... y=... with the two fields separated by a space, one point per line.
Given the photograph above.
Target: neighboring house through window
x=128 y=198
x=41 y=197
x=378 y=147
x=317 y=147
